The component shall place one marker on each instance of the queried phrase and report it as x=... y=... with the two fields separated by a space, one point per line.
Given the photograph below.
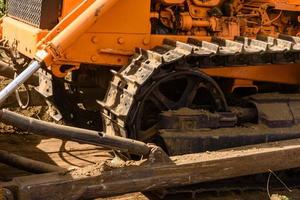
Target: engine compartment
x=223 y=18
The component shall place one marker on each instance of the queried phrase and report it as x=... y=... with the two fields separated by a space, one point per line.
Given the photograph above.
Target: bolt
x=94 y=58
x=95 y=39
x=121 y=40
x=67 y=56
x=146 y=41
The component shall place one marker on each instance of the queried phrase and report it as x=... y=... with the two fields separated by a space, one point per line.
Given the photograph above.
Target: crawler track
x=133 y=85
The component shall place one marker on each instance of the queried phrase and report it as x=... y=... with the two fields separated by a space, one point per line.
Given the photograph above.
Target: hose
x=17 y=94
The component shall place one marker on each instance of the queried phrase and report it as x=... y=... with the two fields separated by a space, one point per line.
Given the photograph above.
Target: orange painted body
x=108 y=36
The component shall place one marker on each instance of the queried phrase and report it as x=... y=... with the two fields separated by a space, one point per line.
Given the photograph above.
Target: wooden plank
x=181 y=170
x=65 y=154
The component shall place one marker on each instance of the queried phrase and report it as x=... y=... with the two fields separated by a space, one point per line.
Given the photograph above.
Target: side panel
x=127 y=16
x=68 y=6
x=115 y=36
x=25 y=36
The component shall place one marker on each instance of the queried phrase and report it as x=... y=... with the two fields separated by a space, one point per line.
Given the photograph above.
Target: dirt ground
x=68 y=155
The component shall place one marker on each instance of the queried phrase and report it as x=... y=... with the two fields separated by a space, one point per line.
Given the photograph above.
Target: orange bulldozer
x=159 y=79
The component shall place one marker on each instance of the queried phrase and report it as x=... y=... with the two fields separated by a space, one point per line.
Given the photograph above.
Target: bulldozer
x=157 y=79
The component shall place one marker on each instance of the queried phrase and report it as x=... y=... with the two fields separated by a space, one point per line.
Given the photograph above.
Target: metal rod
x=19 y=80
x=27 y=164
x=74 y=134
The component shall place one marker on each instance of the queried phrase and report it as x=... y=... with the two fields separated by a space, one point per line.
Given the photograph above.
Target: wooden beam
x=146 y=175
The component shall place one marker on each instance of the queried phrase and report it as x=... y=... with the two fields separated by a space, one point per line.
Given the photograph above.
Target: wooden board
x=144 y=176
x=49 y=150
x=68 y=154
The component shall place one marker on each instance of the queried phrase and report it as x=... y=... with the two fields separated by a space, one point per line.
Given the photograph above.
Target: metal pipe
x=201 y=23
x=74 y=134
x=27 y=164
x=19 y=80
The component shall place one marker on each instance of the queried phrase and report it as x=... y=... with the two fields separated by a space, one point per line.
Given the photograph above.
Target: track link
x=128 y=86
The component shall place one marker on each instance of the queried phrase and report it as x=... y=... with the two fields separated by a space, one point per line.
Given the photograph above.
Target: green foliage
x=2 y=7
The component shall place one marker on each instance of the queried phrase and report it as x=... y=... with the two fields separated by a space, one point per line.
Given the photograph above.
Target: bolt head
x=95 y=39
x=121 y=40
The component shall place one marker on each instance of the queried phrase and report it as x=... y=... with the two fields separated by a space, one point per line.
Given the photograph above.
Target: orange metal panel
x=127 y=16
x=173 y=1
x=65 y=38
x=114 y=37
x=106 y=49
x=68 y=6
x=290 y=5
x=25 y=36
x=287 y=74
x=295 y=2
